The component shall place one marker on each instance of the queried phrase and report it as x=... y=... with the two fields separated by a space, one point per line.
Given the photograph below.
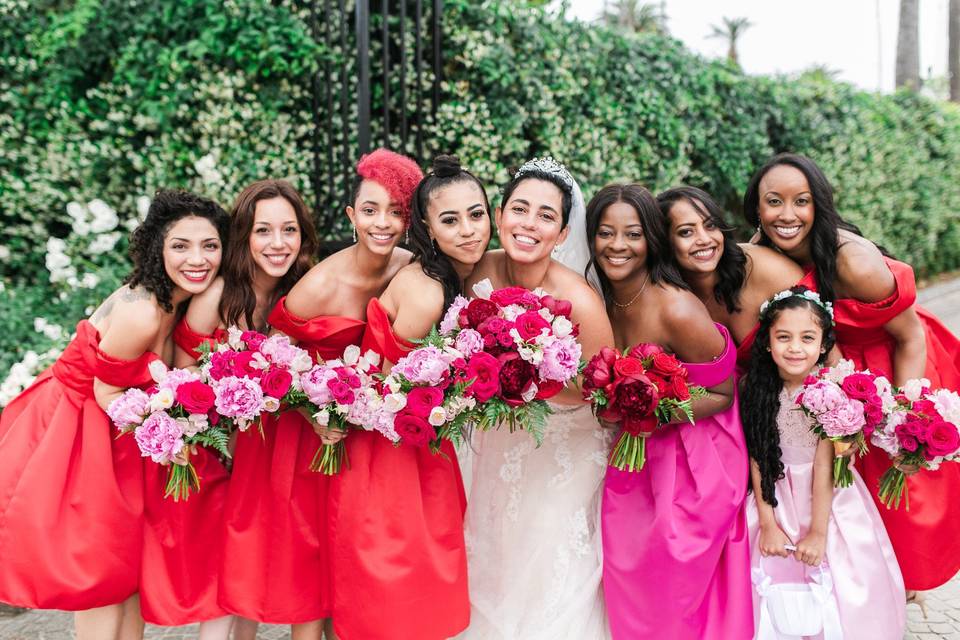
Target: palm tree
x=820 y=72
x=636 y=16
x=731 y=30
x=908 y=46
x=953 y=64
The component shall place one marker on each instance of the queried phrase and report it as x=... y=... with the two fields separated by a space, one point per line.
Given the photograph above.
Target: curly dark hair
x=760 y=390
x=446 y=170
x=824 y=239
x=732 y=268
x=660 y=262
x=146 y=241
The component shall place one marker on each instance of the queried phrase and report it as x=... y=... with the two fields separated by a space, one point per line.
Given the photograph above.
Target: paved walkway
x=943 y=604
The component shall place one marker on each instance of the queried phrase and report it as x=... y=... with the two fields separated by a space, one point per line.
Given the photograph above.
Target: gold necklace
x=634 y=298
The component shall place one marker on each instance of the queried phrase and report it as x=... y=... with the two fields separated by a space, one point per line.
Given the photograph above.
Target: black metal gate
x=378 y=85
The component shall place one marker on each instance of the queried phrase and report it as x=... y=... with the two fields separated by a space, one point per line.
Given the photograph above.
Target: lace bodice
x=794 y=425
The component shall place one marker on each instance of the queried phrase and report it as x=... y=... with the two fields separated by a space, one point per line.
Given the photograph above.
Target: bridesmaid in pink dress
x=795 y=502
x=675 y=548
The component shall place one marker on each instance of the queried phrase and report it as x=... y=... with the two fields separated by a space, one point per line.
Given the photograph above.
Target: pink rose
x=484 y=369
x=243 y=365
x=276 y=382
x=859 y=386
x=253 y=339
x=422 y=400
x=530 y=324
x=413 y=429
x=196 y=397
x=942 y=439
x=514 y=295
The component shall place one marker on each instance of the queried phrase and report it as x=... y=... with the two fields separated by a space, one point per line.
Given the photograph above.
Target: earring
x=354 y=235
x=407 y=236
x=434 y=247
x=758 y=229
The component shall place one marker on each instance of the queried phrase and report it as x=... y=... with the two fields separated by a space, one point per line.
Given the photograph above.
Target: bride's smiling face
x=530 y=223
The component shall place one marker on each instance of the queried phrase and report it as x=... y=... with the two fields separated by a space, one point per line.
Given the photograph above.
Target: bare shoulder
x=134 y=326
x=203 y=314
x=310 y=295
x=486 y=267
x=862 y=273
x=768 y=269
x=679 y=306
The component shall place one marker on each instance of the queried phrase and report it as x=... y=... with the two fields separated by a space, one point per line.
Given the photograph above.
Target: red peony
x=530 y=324
x=557 y=307
x=515 y=295
x=599 y=371
x=942 y=439
x=253 y=339
x=516 y=376
x=276 y=382
x=413 y=429
x=859 y=386
x=479 y=310
x=485 y=371
x=666 y=365
x=422 y=400
x=196 y=396
x=644 y=350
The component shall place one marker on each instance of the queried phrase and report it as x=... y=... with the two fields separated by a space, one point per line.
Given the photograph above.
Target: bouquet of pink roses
x=523 y=350
x=252 y=374
x=429 y=394
x=923 y=430
x=641 y=390
x=847 y=406
x=177 y=413
x=341 y=393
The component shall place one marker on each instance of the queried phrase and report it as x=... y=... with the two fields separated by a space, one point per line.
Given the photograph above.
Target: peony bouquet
x=252 y=374
x=429 y=395
x=341 y=393
x=847 y=406
x=177 y=413
x=923 y=430
x=522 y=349
x=640 y=390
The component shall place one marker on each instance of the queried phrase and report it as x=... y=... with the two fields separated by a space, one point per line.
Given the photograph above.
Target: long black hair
x=552 y=178
x=824 y=237
x=146 y=241
x=660 y=263
x=732 y=268
x=760 y=390
x=446 y=170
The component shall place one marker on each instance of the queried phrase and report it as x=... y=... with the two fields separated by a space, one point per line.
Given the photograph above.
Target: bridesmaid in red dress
x=880 y=327
x=397 y=514
x=732 y=280
x=272 y=241
x=277 y=537
x=71 y=493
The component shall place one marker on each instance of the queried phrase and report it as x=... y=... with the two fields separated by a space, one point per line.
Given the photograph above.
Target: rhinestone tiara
x=547 y=165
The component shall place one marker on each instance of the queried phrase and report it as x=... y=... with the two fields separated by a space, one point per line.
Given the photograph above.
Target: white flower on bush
x=104 y=217
x=207 y=168
x=4 y=253
x=23 y=373
x=58 y=262
x=51 y=331
x=104 y=242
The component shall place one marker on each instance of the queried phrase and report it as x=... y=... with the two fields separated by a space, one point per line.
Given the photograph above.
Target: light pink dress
x=676 y=557
x=867 y=583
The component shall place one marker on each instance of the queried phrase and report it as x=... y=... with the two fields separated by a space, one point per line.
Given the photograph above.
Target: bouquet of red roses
x=923 y=430
x=847 y=406
x=522 y=348
x=640 y=390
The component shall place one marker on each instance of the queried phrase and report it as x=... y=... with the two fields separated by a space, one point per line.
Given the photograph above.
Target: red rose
x=599 y=371
x=195 y=396
x=859 y=386
x=636 y=426
x=516 y=376
x=942 y=439
x=413 y=430
x=679 y=389
x=548 y=388
x=484 y=369
x=628 y=367
x=661 y=383
x=514 y=295
x=253 y=339
x=276 y=382
x=666 y=365
x=479 y=310
x=422 y=400
x=644 y=350
x=557 y=307
x=530 y=324
x=243 y=365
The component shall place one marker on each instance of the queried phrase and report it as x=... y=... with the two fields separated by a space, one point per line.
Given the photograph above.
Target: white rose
x=270 y=404
x=913 y=388
x=351 y=355
x=161 y=400
x=437 y=416
x=303 y=362
x=562 y=327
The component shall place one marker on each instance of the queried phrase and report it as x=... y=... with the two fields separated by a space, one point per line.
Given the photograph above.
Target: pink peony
x=823 y=396
x=129 y=408
x=278 y=350
x=561 y=360
x=160 y=437
x=176 y=377
x=469 y=342
x=238 y=397
x=451 y=320
x=844 y=420
x=426 y=365
x=314 y=384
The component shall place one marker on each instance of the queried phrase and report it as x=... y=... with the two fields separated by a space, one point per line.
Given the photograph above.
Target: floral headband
x=812 y=296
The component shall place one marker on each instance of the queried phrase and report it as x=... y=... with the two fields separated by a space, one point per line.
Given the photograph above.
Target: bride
x=532 y=521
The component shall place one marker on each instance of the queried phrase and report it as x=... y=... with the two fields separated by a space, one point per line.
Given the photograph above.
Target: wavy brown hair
x=239 y=300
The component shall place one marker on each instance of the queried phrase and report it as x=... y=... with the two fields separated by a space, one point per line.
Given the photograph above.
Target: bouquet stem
x=180 y=480
x=893 y=487
x=329 y=458
x=629 y=453
x=842 y=476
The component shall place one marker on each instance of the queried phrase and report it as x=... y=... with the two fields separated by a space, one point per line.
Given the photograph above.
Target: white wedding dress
x=533 y=531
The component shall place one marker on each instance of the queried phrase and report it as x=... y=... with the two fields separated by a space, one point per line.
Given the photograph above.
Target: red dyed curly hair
x=396 y=173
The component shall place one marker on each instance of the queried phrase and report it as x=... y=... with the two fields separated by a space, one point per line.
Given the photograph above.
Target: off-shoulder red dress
x=399 y=559
x=182 y=541
x=926 y=538
x=71 y=492
x=276 y=565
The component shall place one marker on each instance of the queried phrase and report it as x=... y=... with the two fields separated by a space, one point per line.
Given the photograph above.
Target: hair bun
x=445 y=166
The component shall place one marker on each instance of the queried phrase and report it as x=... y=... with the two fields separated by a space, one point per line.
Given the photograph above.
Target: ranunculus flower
x=484 y=369
x=530 y=324
x=516 y=376
x=859 y=386
x=253 y=339
x=196 y=397
x=276 y=382
x=479 y=310
x=942 y=439
x=514 y=295
x=413 y=429
x=422 y=400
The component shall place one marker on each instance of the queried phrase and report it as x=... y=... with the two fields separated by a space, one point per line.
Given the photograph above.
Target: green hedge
x=112 y=99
